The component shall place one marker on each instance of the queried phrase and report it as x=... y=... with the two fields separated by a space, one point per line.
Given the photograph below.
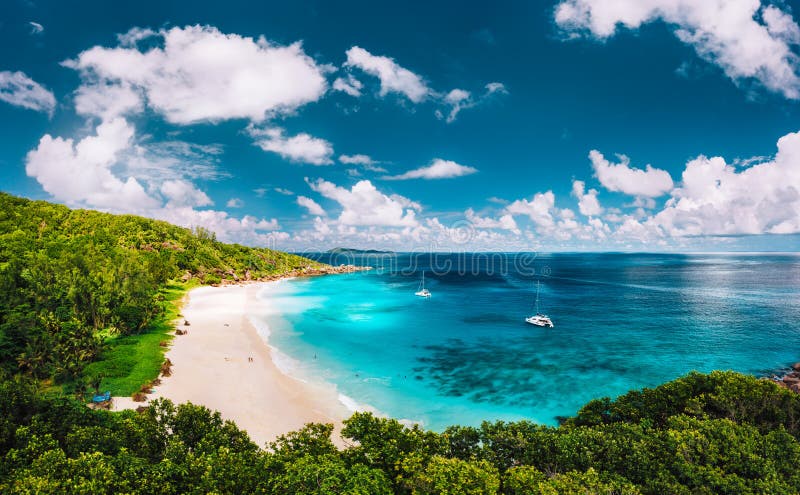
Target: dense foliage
x=71 y=280
x=694 y=435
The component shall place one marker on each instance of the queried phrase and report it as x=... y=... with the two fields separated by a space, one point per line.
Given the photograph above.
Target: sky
x=569 y=125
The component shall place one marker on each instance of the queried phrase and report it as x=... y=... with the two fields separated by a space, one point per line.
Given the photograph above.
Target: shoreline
x=308 y=271
x=264 y=397
x=225 y=363
x=788 y=378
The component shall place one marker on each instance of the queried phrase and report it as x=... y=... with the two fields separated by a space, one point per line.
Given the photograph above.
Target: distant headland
x=344 y=250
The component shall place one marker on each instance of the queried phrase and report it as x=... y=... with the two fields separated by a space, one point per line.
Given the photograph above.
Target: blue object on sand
x=102 y=397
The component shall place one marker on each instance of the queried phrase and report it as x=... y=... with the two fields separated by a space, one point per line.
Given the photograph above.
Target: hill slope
x=72 y=280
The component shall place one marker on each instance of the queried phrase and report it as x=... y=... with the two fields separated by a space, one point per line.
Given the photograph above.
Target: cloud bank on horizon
x=198 y=75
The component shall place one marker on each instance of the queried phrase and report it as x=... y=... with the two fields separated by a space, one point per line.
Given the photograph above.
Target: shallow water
x=622 y=321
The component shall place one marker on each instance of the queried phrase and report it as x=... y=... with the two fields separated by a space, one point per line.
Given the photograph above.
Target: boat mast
x=537 y=297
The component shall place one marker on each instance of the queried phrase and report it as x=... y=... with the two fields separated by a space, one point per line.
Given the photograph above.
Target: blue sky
x=566 y=125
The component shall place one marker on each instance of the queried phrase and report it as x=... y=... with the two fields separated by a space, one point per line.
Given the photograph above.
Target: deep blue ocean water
x=622 y=321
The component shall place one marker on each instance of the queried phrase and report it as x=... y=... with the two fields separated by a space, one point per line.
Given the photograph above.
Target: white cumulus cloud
x=588 y=203
x=397 y=79
x=96 y=172
x=365 y=205
x=300 y=148
x=201 y=74
x=312 y=206
x=458 y=99
x=747 y=39
x=505 y=222
x=438 y=169
x=80 y=173
x=349 y=85
x=248 y=229
x=183 y=193
x=107 y=100
x=20 y=90
x=540 y=209
x=621 y=177
x=394 y=78
x=716 y=198
x=781 y=25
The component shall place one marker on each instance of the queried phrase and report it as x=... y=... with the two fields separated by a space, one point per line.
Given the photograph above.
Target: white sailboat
x=539 y=319
x=423 y=292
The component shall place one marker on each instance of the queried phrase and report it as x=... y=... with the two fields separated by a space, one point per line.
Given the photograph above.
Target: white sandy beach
x=211 y=366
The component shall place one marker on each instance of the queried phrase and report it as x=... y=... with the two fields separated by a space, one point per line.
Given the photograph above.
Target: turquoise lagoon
x=622 y=321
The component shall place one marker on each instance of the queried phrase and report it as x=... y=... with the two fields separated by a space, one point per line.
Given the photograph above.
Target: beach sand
x=212 y=366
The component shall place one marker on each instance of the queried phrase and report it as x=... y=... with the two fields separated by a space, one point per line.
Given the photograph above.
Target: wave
x=353 y=406
x=285 y=363
x=291 y=367
x=261 y=326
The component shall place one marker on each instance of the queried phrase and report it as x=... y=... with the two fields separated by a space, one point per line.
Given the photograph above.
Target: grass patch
x=130 y=361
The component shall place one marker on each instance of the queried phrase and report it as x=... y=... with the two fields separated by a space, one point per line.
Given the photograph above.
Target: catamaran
x=539 y=319
x=423 y=292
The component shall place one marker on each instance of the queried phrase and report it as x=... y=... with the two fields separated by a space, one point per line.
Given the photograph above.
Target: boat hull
x=539 y=322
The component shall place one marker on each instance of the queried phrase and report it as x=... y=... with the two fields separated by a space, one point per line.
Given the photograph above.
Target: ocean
x=622 y=321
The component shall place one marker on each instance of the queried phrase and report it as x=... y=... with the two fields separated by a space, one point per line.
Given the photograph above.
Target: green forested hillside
x=722 y=433
x=74 y=282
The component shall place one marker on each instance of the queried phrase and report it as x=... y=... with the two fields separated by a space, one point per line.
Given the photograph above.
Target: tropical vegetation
x=723 y=433
x=79 y=287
